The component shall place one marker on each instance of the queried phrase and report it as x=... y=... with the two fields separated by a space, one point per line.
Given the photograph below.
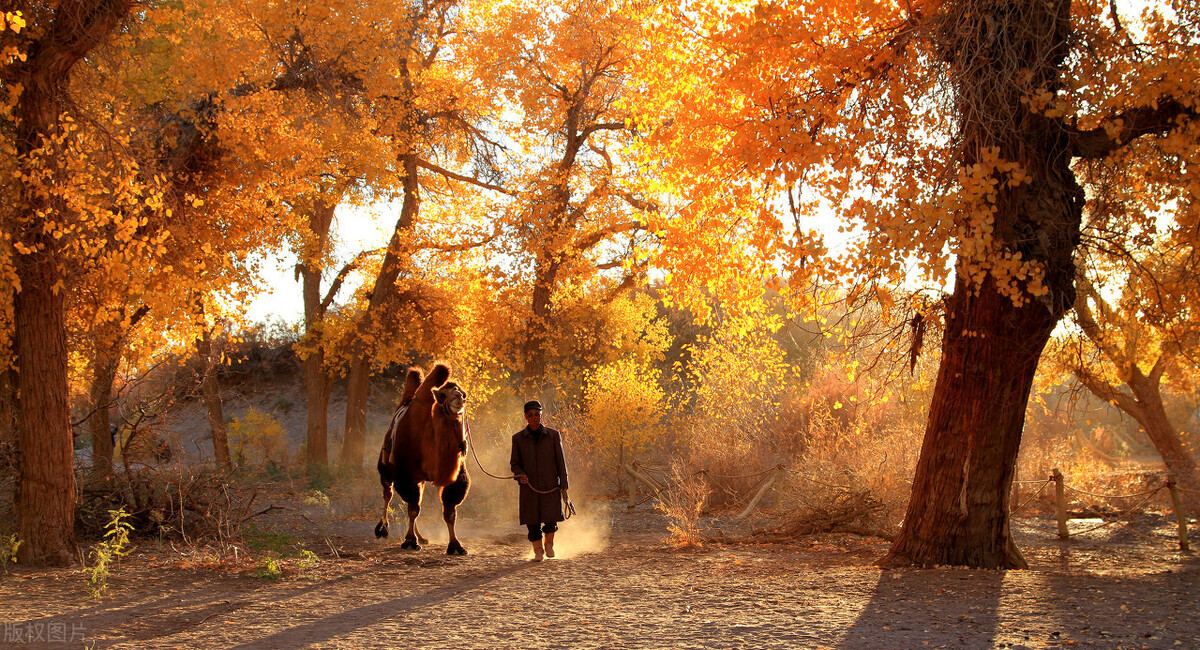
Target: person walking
x=539 y=466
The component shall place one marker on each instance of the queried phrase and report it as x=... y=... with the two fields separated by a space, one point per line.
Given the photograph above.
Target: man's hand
x=564 y=493
x=522 y=479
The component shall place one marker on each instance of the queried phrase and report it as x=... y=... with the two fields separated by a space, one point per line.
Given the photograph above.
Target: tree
x=945 y=131
x=429 y=112
x=563 y=71
x=1125 y=349
x=42 y=46
x=104 y=179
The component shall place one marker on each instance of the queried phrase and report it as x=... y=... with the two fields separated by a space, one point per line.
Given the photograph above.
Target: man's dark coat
x=540 y=457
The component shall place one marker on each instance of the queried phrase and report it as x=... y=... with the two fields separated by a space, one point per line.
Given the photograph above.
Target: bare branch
x=425 y=164
x=341 y=277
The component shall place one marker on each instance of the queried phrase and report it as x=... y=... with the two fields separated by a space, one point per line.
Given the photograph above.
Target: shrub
x=256 y=438
x=110 y=550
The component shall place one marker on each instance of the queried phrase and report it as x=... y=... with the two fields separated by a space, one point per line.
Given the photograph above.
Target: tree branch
x=456 y=248
x=1108 y=392
x=341 y=277
x=1091 y=328
x=1160 y=118
x=600 y=235
x=425 y=164
x=604 y=126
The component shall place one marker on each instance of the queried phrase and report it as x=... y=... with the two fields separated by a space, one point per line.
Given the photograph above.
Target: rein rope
x=471 y=446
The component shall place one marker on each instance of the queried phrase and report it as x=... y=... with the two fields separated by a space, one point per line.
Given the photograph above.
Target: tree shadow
x=177 y=610
x=911 y=607
x=1123 y=608
x=345 y=622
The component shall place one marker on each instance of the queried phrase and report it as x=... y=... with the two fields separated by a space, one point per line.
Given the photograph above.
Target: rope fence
x=1060 y=498
x=666 y=478
x=1032 y=498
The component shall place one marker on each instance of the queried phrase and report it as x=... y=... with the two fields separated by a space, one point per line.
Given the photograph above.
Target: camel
x=425 y=443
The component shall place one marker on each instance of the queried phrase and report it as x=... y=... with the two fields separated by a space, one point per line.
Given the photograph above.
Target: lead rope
x=474 y=454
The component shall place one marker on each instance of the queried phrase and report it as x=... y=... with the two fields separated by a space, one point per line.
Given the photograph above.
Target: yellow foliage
x=257 y=438
x=624 y=406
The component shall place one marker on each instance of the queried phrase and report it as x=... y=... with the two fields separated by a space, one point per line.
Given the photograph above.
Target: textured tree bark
x=46 y=502
x=46 y=497
x=958 y=513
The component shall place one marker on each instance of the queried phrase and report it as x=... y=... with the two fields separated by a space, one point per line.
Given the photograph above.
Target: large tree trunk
x=358 y=382
x=958 y=512
x=46 y=503
x=998 y=52
x=46 y=499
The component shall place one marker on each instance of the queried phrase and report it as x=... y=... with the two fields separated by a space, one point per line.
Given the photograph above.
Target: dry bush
x=193 y=505
x=835 y=509
x=683 y=501
x=869 y=459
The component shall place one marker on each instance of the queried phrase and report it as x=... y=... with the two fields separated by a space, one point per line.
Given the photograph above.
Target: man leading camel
x=539 y=466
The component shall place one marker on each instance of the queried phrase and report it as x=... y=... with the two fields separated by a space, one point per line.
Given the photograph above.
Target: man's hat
x=532 y=404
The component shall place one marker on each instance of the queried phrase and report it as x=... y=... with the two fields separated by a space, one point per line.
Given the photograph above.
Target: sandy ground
x=618 y=583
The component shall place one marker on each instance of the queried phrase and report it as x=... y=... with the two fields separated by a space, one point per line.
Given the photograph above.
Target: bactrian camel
x=425 y=443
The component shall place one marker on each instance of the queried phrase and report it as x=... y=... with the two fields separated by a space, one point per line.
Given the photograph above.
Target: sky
x=356 y=229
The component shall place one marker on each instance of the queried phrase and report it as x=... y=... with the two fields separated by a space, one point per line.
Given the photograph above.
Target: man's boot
x=538 y=552
x=549 y=544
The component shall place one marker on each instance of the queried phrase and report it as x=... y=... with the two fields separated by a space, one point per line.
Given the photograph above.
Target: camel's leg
x=381 y=528
x=385 y=479
x=410 y=491
x=452 y=495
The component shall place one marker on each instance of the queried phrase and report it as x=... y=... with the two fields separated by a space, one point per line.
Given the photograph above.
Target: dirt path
x=622 y=587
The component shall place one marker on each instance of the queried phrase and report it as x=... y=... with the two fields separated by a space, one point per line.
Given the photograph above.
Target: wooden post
x=1060 y=499
x=632 y=491
x=1180 y=515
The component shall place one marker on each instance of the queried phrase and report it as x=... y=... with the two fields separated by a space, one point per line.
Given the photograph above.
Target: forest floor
x=619 y=582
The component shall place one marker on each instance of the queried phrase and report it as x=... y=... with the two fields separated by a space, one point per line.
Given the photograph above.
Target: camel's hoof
x=411 y=544
x=381 y=530
x=455 y=549
x=422 y=540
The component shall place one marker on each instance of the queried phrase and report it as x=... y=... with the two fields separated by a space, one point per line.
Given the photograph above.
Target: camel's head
x=451 y=397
